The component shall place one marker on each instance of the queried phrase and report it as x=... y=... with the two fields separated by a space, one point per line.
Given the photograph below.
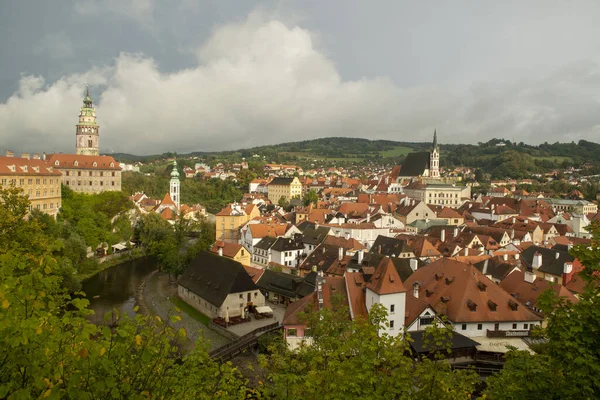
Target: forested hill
x=356 y=150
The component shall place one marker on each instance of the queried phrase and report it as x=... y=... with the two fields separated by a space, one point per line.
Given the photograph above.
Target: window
x=464 y=327
x=255 y=294
x=479 y=327
x=292 y=332
x=37 y=181
x=392 y=308
x=525 y=326
x=392 y=324
x=241 y=296
x=426 y=320
x=44 y=181
x=496 y=326
x=21 y=181
x=29 y=181
x=514 y=326
x=78 y=173
x=91 y=173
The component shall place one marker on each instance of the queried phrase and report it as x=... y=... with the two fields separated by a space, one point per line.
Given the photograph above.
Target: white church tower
x=174 y=190
x=434 y=158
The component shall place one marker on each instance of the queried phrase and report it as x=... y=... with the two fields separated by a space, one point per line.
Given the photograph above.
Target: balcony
x=501 y=334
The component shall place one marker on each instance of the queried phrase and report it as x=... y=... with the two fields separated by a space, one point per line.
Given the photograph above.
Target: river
x=115 y=287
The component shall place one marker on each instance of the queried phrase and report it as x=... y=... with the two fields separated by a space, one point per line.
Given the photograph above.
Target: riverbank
x=156 y=292
x=110 y=261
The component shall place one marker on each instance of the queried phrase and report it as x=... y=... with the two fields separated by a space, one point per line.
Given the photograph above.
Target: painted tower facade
x=434 y=158
x=87 y=133
x=174 y=189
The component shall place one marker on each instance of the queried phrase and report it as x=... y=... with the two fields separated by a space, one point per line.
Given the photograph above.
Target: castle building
x=421 y=165
x=87 y=171
x=174 y=189
x=39 y=181
x=88 y=131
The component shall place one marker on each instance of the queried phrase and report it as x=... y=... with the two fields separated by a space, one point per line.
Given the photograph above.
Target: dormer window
x=445 y=299
x=428 y=292
x=472 y=306
x=12 y=168
x=449 y=281
x=36 y=169
x=481 y=286
x=438 y=276
x=76 y=163
x=56 y=163
x=513 y=305
x=492 y=305
x=112 y=165
x=95 y=164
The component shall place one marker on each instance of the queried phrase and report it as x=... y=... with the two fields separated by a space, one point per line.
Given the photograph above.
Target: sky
x=210 y=75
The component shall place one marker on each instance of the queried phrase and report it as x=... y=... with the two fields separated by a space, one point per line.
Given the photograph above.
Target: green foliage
x=50 y=350
x=310 y=197
x=351 y=359
x=568 y=362
x=189 y=310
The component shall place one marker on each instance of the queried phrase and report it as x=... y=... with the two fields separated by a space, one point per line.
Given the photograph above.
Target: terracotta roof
x=255 y=273
x=386 y=279
x=414 y=307
x=76 y=161
x=23 y=166
x=167 y=201
x=348 y=244
x=167 y=214
x=354 y=285
x=447 y=212
x=229 y=249
x=464 y=294
x=262 y=230
x=528 y=293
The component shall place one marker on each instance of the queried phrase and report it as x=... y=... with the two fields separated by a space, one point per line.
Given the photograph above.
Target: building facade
x=40 y=182
x=87 y=174
x=288 y=188
x=87 y=133
x=231 y=218
x=440 y=195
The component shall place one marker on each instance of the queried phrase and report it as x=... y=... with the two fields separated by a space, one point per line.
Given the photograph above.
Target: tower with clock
x=87 y=133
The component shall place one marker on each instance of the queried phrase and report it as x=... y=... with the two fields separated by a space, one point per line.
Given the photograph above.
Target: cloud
x=260 y=81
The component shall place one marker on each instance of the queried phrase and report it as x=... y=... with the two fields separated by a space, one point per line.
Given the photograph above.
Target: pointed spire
x=87 y=101
x=435 y=138
x=174 y=172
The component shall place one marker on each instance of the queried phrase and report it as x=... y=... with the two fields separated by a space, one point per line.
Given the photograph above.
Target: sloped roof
x=386 y=280
x=24 y=166
x=281 y=181
x=212 y=278
x=391 y=247
x=553 y=261
x=229 y=249
x=458 y=341
x=464 y=294
x=415 y=164
x=77 y=161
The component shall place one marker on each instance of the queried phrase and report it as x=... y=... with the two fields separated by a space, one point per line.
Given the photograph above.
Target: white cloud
x=259 y=81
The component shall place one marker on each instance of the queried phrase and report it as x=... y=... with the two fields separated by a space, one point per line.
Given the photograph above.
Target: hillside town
x=425 y=243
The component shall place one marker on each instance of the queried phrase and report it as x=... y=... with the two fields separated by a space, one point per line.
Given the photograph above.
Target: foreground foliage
x=568 y=363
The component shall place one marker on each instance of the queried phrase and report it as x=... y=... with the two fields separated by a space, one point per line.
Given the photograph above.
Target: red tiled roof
x=24 y=166
x=77 y=161
x=229 y=249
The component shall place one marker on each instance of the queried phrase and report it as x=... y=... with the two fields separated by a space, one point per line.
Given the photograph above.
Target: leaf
x=47 y=393
x=5 y=303
x=182 y=332
x=83 y=353
x=136 y=308
x=138 y=340
x=102 y=351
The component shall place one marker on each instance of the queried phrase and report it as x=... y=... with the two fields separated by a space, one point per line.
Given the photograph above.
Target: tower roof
x=435 y=138
x=174 y=172
x=87 y=100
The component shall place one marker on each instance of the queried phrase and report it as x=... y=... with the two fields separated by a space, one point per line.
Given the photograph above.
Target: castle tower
x=174 y=190
x=434 y=158
x=87 y=133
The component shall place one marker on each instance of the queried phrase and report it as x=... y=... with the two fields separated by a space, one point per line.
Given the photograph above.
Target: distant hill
x=490 y=155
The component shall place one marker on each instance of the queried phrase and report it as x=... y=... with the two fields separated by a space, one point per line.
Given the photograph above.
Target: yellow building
x=235 y=251
x=288 y=188
x=231 y=218
x=39 y=181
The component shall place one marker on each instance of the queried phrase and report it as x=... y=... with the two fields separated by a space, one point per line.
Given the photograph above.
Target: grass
x=396 y=152
x=189 y=310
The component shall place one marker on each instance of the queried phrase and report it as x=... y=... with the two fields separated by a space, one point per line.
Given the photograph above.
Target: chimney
x=314 y=268
x=529 y=277
x=568 y=268
x=340 y=253
x=25 y=156
x=413 y=264
x=416 y=290
x=466 y=251
x=505 y=256
x=43 y=156
x=369 y=217
x=443 y=235
x=514 y=220
x=347 y=235
x=485 y=266
x=10 y=153
x=36 y=156
x=537 y=260
x=316 y=225
x=517 y=256
x=361 y=253
x=456 y=232
x=556 y=255
x=320 y=280
x=569 y=245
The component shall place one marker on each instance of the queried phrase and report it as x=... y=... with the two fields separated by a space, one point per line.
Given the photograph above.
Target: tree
x=50 y=350
x=310 y=197
x=283 y=202
x=567 y=364
x=380 y=366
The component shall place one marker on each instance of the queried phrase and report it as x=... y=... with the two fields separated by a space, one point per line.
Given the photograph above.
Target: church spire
x=434 y=138
x=87 y=101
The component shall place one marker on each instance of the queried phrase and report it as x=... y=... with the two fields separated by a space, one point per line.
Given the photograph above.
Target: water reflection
x=115 y=287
